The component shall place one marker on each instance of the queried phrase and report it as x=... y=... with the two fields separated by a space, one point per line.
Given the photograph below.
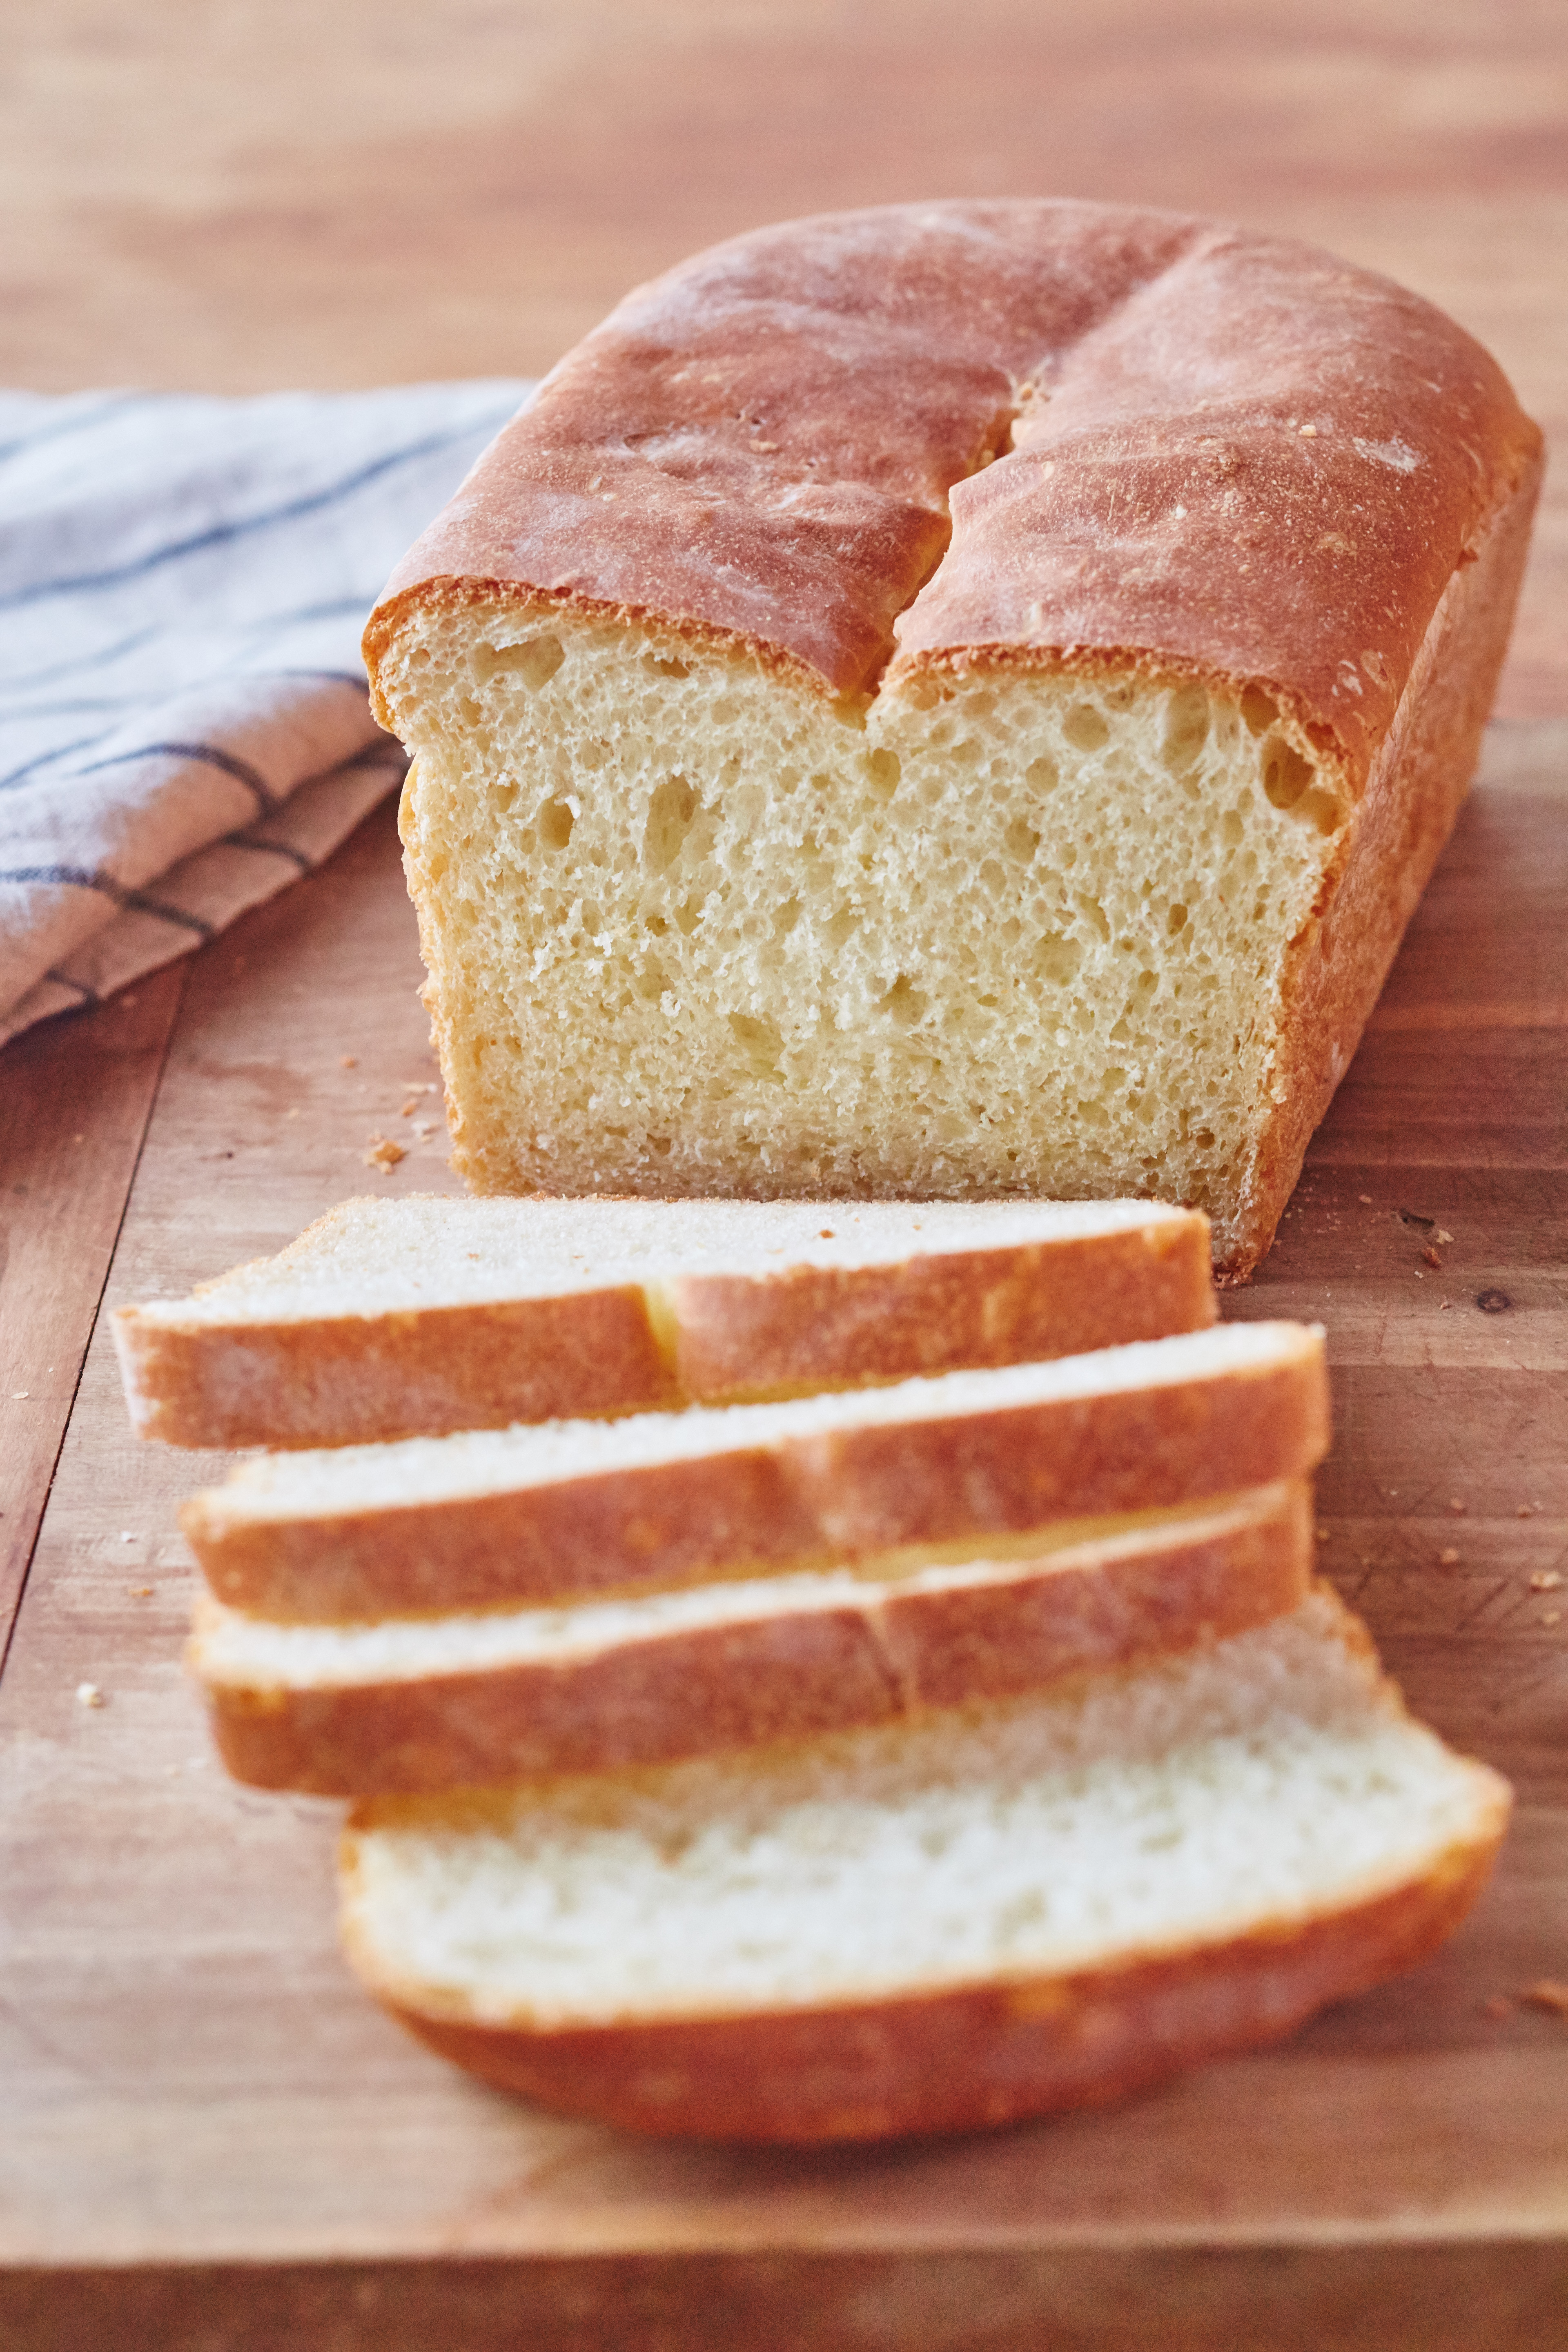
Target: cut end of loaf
x=945 y=1924
x=998 y=931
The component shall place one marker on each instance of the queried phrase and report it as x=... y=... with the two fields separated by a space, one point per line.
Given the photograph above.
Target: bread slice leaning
x=935 y=1926
x=397 y=1319
x=430 y=1702
x=665 y=1499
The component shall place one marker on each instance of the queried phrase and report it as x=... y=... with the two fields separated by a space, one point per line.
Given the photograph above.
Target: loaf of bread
x=661 y=1500
x=939 y=1925
x=418 y=1702
x=956 y=701
x=415 y=1316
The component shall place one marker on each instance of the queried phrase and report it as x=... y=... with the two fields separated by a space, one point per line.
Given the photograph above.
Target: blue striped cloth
x=184 y=722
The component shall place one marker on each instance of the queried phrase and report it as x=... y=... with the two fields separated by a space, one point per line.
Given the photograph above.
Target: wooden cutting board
x=209 y=2141
x=212 y=2138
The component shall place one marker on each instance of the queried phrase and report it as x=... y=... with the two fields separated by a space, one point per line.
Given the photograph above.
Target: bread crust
x=767 y=443
x=426 y=1371
x=1392 y=840
x=814 y=1328
x=361 y=1379
x=889 y=1655
x=968 y=2058
x=803 y=1502
x=877 y=451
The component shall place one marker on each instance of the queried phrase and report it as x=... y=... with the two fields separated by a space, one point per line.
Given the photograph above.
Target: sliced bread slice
x=397 y=1318
x=665 y=1499
x=429 y=1703
x=935 y=1926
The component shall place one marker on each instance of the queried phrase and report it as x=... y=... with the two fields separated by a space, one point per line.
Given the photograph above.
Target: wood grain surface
x=211 y=2142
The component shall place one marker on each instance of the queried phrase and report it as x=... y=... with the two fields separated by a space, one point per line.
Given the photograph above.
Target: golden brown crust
x=802 y=1503
x=966 y=2059
x=364 y=1379
x=875 y=1659
x=1237 y=457
x=1391 y=842
x=361 y=1380
x=1137 y=1449
x=814 y=1328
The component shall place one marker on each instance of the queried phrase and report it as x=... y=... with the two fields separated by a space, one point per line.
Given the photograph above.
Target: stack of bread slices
x=805 y=1673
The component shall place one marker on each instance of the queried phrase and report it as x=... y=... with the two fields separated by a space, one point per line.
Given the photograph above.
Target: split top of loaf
x=949 y=701
x=1019 y=426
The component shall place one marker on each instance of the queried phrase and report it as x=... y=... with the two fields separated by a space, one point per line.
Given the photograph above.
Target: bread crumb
x=1547 y=1994
x=1522 y=1512
x=1441 y=1238
x=141 y=1593
x=89 y=1695
x=348 y=1061
x=1545 y=1580
x=1499 y=2005
x=1366 y=1200
x=1457 y=1503
x=383 y=1153
x=1431 y=1256
x=1448 y=1558
x=19 y=1395
x=1306 y=432
x=424 y=1128
x=1319 y=1534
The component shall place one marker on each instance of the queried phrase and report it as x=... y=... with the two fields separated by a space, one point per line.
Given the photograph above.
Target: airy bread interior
x=1016 y=931
x=1261 y=1783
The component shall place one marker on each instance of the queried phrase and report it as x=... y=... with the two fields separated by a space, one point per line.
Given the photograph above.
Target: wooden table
x=210 y=2140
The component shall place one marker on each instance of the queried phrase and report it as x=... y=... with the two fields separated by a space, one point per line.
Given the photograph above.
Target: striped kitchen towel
x=183 y=721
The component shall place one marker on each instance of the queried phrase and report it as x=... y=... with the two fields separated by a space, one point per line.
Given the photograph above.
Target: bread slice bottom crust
x=973 y=2059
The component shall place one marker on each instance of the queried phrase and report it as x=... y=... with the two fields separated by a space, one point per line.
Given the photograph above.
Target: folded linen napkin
x=183 y=721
